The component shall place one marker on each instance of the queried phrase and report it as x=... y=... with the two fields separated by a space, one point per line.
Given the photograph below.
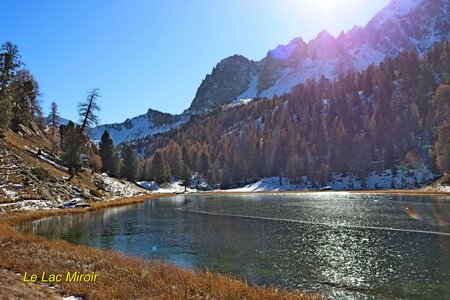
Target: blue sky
x=155 y=53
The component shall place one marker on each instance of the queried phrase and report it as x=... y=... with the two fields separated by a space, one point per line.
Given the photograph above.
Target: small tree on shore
x=160 y=169
x=107 y=153
x=129 y=164
x=71 y=143
x=186 y=176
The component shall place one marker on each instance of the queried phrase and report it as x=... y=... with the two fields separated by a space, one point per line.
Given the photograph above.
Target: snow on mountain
x=403 y=24
x=151 y=123
x=397 y=8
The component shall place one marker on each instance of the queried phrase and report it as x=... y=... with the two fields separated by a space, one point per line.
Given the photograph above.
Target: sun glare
x=322 y=5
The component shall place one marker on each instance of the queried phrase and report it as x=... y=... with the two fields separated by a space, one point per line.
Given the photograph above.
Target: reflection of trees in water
x=79 y=228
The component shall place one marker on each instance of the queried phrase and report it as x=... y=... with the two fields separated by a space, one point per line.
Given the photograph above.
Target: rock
x=35 y=129
x=24 y=130
x=46 y=193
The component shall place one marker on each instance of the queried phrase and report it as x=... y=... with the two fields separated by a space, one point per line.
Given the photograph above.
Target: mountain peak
x=285 y=51
x=324 y=34
x=323 y=38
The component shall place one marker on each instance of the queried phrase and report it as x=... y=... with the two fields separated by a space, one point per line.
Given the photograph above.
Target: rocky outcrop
x=230 y=78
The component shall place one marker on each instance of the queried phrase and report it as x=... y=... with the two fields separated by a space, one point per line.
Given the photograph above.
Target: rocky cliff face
x=231 y=77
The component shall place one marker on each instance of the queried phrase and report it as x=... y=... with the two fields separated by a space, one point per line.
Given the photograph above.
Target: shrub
x=42 y=174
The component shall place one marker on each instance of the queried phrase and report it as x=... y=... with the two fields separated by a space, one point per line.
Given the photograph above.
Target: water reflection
x=271 y=245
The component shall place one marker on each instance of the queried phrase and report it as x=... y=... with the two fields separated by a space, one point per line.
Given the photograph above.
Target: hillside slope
x=31 y=178
x=377 y=123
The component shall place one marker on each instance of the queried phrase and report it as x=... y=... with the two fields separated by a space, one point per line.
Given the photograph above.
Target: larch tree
x=9 y=62
x=88 y=110
x=204 y=162
x=54 y=120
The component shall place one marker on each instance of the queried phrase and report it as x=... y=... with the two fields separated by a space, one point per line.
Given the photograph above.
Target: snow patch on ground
x=238 y=102
x=52 y=162
x=265 y=184
x=252 y=90
x=47 y=157
x=9 y=194
x=385 y=179
x=445 y=189
x=29 y=205
x=119 y=188
x=308 y=69
x=174 y=187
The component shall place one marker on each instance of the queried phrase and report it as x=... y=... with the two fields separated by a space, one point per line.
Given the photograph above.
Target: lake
x=342 y=245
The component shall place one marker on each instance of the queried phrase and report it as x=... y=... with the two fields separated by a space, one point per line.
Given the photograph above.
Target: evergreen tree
x=24 y=91
x=117 y=166
x=71 y=142
x=129 y=164
x=107 y=154
x=159 y=170
x=186 y=176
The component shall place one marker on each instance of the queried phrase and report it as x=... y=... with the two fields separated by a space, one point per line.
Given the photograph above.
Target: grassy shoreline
x=119 y=276
x=123 y=276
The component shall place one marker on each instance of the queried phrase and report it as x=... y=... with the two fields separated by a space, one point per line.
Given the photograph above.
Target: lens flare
x=430 y=215
x=412 y=214
x=412 y=159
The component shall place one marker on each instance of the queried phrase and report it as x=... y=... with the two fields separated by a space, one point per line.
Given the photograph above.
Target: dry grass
x=120 y=277
x=17 y=217
x=13 y=288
